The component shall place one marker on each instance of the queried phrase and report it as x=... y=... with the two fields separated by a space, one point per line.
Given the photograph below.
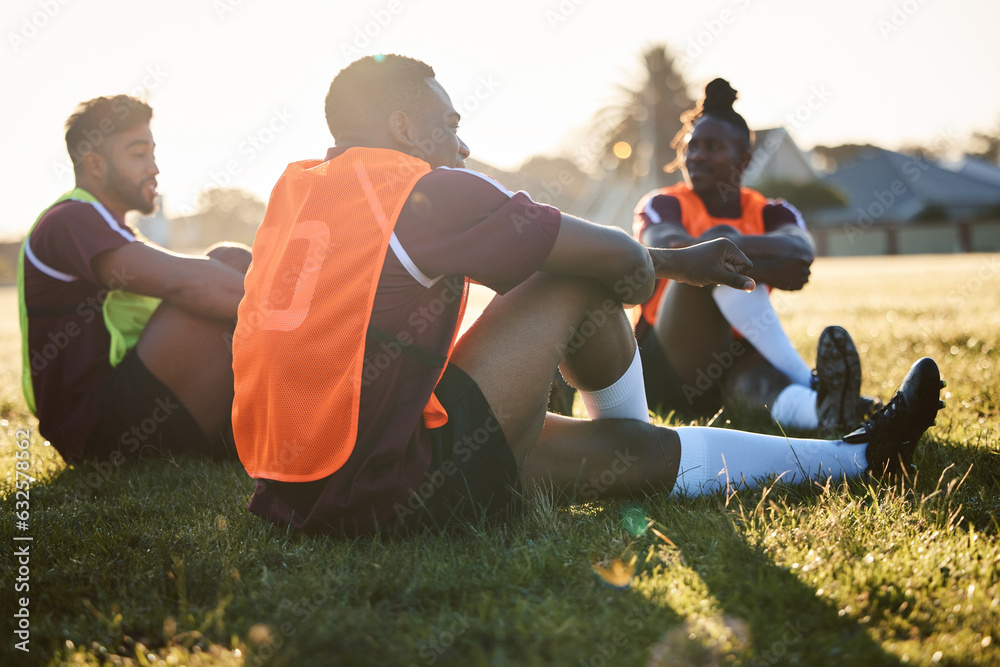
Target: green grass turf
x=160 y=563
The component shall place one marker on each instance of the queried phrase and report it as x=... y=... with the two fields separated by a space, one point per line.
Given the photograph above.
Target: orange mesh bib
x=298 y=348
x=697 y=221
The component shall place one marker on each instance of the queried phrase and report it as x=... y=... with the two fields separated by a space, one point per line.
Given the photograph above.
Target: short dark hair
x=372 y=88
x=95 y=121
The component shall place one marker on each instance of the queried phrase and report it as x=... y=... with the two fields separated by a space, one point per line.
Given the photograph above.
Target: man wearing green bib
x=125 y=345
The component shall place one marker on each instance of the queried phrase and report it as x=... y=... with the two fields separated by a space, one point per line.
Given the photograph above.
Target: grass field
x=160 y=563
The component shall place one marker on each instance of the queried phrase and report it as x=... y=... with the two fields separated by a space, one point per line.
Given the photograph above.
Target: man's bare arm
x=782 y=257
x=667 y=235
x=606 y=254
x=196 y=284
x=629 y=269
x=785 y=241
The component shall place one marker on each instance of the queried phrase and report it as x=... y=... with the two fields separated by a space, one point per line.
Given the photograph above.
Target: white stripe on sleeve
x=408 y=264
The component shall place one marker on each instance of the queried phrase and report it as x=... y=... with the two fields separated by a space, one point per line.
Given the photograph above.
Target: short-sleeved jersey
x=659 y=207
x=758 y=215
x=455 y=224
x=68 y=342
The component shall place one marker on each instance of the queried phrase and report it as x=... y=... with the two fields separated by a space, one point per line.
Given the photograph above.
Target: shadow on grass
x=785 y=620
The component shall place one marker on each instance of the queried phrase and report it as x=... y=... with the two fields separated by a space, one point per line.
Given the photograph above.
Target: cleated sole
x=838 y=370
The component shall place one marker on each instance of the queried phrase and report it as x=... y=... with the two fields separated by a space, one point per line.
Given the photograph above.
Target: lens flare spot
x=634 y=521
x=622 y=150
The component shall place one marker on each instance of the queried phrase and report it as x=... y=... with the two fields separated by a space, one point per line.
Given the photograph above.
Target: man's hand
x=785 y=273
x=717 y=262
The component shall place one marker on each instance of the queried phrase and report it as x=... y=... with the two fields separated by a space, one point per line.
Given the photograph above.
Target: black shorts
x=139 y=415
x=473 y=473
x=666 y=392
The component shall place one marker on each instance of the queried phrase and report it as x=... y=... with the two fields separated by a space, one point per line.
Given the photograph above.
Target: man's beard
x=130 y=193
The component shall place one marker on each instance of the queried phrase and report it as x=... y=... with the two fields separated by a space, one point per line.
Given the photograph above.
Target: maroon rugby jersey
x=68 y=344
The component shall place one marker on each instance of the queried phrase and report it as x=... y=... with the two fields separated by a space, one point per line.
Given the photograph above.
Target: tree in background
x=985 y=146
x=557 y=181
x=631 y=139
x=981 y=145
x=645 y=123
x=836 y=156
x=807 y=197
x=228 y=214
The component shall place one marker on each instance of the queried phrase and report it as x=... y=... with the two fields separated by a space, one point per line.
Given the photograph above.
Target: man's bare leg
x=512 y=353
x=752 y=382
x=193 y=356
x=691 y=331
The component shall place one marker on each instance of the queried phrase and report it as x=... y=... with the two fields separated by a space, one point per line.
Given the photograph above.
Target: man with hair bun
x=124 y=344
x=703 y=347
x=358 y=408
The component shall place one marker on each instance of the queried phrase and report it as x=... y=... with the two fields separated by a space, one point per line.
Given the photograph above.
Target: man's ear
x=95 y=166
x=399 y=126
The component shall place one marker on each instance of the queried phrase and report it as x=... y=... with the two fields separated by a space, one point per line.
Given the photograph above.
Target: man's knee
x=235 y=255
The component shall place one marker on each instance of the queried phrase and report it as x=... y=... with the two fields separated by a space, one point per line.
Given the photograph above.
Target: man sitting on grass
x=124 y=344
x=356 y=409
x=703 y=348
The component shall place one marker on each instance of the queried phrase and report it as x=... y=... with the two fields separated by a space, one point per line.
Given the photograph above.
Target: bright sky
x=237 y=86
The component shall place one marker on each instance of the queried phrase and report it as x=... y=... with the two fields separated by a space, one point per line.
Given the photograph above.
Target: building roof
x=776 y=157
x=980 y=170
x=890 y=186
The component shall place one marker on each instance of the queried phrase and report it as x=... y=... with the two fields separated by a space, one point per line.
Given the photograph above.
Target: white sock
x=713 y=457
x=625 y=399
x=753 y=316
x=795 y=406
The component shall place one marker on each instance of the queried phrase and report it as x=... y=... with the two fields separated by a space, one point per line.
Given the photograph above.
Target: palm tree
x=644 y=124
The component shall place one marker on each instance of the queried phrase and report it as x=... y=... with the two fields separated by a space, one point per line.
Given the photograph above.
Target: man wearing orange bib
x=358 y=410
x=705 y=347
